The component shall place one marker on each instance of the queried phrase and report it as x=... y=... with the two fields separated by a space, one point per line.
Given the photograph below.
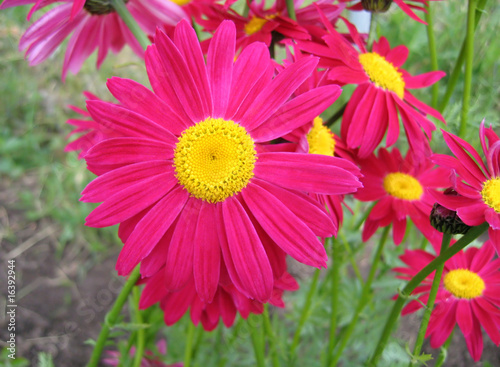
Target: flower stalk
x=130 y=22
x=141 y=334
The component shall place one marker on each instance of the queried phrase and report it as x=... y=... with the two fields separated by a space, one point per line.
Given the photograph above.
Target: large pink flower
x=402 y=189
x=93 y=24
x=469 y=295
x=190 y=175
x=382 y=92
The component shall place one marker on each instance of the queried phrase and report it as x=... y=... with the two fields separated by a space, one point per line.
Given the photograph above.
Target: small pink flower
x=402 y=189
x=92 y=25
x=468 y=295
x=149 y=359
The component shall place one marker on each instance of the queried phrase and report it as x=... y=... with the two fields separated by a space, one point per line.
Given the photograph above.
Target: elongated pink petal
x=207 y=254
x=220 y=61
x=130 y=201
x=296 y=113
x=474 y=341
x=278 y=91
x=179 y=266
x=397 y=56
x=308 y=172
x=151 y=229
x=284 y=227
x=460 y=148
x=408 y=11
x=153 y=292
x=119 y=179
x=376 y=125
x=248 y=254
x=464 y=317
x=423 y=80
x=473 y=215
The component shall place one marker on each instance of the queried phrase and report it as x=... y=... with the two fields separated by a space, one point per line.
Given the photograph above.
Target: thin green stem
x=257 y=336
x=351 y=257
x=271 y=337
x=460 y=60
x=443 y=353
x=334 y=298
x=304 y=314
x=415 y=281
x=445 y=243
x=373 y=30
x=200 y=333
x=363 y=299
x=141 y=333
x=337 y=115
x=188 y=352
x=432 y=51
x=111 y=317
x=469 y=59
x=130 y=22
x=290 y=7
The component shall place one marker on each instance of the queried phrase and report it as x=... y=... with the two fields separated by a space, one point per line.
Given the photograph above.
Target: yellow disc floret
x=403 y=186
x=181 y=2
x=321 y=139
x=491 y=193
x=383 y=73
x=214 y=159
x=463 y=283
x=254 y=25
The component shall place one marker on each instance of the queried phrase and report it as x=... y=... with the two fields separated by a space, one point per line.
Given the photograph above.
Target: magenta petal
x=207 y=254
x=220 y=61
x=464 y=316
x=475 y=342
x=130 y=201
x=248 y=254
x=284 y=227
x=493 y=218
x=153 y=292
x=308 y=172
x=151 y=229
x=179 y=266
x=473 y=215
x=296 y=113
x=278 y=92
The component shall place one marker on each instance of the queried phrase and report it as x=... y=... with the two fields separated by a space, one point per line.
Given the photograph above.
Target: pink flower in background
x=469 y=295
x=379 y=6
x=401 y=188
x=149 y=360
x=190 y=174
x=382 y=92
x=92 y=24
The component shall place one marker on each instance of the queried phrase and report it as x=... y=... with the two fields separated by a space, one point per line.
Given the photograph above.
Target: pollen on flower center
x=463 y=283
x=181 y=2
x=214 y=159
x=491 y=193
x=383 y=73
x=403 y=186
x=254 y=25
x=321 y=139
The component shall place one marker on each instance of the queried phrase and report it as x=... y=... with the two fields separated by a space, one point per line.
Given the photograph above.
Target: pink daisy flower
x=381 y=6
x=93 y=24
x=191 y=162
x=227 y=302
x=402 y=189
x=469 y=295
x=382 y=92
x=149 y=360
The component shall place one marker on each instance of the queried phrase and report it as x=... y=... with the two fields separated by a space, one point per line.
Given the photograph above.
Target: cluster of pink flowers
x=225 y=167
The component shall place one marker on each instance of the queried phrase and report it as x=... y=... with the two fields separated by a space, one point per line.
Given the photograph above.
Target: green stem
x=304 y=314
x=130 y=22
x=432 y=51
x=443 y=353
x=460 y=60
x=256 y=334
x=334 y=300
x=271 y=337
x=290 y=7
x=111 y=318
x=469 y=59
x=351 y=257
x=445 y=243
x=415 y=281
x=363 y=299
x=337 y=115
x=188 y=352
x=141 y=333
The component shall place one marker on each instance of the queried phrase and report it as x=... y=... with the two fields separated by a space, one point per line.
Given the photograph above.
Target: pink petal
x=464 y=317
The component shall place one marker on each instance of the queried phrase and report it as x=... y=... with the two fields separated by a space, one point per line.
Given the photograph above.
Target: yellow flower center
x=255 y=24
x=463 y=283
x=403 y=186
x=214 y=159
x=321 y=139
x=491 y=193
x=383 y=73
x=181 y=2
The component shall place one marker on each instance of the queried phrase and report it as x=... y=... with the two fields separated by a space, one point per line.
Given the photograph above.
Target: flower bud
x=446 y=220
